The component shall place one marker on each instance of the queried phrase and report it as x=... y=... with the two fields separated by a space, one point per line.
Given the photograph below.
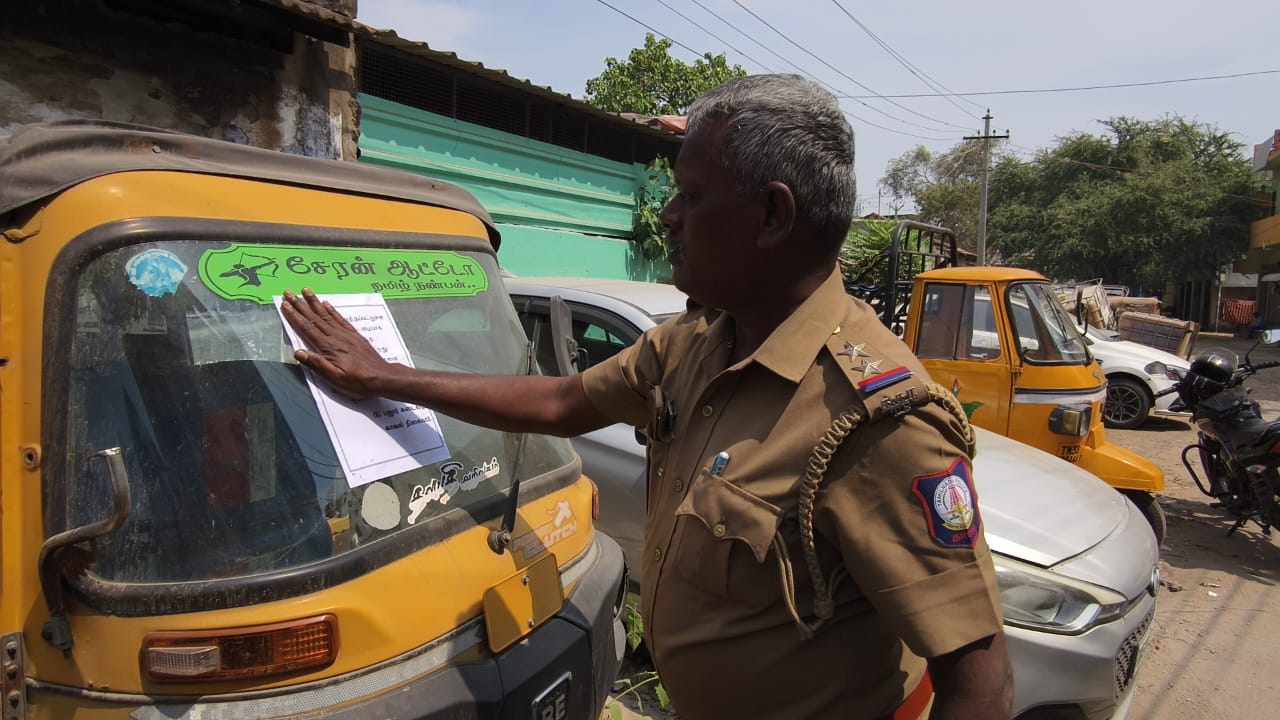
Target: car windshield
x=230 y=465
x=1045 y=332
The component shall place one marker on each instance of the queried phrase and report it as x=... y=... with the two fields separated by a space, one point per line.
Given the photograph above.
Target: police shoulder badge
x=950 y=505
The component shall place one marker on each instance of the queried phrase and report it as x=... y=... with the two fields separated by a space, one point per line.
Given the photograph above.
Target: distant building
x=1264 y=236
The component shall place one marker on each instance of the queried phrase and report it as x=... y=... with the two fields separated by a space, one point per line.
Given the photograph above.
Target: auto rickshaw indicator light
x=236 y=653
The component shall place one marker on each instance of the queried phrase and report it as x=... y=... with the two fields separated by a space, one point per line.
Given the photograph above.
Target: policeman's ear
x=779 y=206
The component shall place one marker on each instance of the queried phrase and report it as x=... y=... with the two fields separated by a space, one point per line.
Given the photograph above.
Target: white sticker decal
x=449 y=484
x=380 y=507
x=156 y=272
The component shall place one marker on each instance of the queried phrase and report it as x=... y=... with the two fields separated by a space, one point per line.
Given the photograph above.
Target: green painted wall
x=561 y=212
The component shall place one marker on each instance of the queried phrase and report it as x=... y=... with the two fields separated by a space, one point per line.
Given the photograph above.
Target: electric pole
x=986 y=137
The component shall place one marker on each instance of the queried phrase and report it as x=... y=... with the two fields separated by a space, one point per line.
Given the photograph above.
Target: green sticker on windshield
x=260 y=272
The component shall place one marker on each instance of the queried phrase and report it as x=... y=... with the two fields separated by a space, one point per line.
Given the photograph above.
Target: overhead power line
x=738 y=30
x=691 y=21
x=650 y=28
x=922 y=75
x=846 y=76
x=1202 y=78
x=799 y=69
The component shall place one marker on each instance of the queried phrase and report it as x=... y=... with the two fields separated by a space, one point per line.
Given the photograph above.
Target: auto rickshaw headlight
x=1071 y=420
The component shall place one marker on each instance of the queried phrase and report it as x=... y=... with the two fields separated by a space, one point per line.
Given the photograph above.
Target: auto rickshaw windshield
x=1043 y=328
x=231 y=468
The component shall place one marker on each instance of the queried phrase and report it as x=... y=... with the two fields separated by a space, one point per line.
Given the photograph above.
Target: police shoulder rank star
x=870 y=368
x=853 y=352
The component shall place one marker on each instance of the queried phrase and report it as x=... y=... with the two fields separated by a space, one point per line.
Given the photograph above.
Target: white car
x=1076 y=561
x=1136 y=374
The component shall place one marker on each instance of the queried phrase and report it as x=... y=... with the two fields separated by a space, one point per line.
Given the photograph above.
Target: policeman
x=814 y=545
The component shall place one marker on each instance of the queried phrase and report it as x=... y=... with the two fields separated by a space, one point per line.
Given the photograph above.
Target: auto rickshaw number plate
x=522 y=602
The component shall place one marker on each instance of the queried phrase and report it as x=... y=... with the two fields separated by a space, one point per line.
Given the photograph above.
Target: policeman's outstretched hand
x=338 y=352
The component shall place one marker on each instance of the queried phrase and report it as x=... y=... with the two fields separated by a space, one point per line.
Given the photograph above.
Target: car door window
x=599 y=335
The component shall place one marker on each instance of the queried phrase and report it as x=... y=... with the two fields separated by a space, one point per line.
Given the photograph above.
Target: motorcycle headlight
x=1038 y=599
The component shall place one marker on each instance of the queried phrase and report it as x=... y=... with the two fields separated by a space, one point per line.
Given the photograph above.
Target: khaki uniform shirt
x=712 y=600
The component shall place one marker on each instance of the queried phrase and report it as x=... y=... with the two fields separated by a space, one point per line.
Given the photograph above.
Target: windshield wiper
x=500 y=539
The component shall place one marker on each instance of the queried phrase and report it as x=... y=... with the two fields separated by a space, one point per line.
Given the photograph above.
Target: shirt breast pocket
x=724 y=539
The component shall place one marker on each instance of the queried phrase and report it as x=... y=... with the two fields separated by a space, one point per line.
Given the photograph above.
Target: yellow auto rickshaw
x=190 y=527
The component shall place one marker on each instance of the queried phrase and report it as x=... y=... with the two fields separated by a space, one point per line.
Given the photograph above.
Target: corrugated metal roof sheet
x=390 y=38
x=314 y=11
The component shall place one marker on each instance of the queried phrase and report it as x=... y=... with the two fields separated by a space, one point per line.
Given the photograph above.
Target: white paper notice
x=374 y=438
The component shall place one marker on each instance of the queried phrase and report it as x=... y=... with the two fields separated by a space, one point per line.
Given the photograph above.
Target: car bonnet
x=1039 y=508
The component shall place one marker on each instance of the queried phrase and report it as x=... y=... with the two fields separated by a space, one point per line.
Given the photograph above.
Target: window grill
x=386 y=75
x=491 y=107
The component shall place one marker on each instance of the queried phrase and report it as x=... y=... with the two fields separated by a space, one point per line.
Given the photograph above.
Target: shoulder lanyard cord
x=824 y=588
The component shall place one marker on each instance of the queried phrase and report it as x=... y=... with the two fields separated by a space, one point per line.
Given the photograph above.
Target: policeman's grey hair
x=787 y=129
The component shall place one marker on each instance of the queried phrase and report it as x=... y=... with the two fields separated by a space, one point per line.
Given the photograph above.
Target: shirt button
x=678 y=486
x=659 y=472
x=657 y=555
x=707 y=410
x=719 y=530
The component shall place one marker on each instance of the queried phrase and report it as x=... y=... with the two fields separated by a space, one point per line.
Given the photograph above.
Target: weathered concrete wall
x=83 y=59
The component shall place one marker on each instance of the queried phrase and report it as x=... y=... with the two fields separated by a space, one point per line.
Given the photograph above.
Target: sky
x=941 y=47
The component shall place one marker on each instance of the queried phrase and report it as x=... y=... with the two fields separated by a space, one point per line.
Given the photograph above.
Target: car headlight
x=1039 y=599
x=1156 y=368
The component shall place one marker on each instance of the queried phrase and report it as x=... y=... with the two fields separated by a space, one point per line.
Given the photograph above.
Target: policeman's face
x=711 y=227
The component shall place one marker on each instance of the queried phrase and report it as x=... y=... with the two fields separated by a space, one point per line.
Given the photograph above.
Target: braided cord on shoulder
x=815 y=471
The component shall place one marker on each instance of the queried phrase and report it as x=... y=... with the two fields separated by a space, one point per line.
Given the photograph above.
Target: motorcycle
x=1239 y=450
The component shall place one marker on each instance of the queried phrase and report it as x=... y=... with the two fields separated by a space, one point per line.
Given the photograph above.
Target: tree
x=945 y=188
x=651 y=82
x=866 y=238
x=1144 y=203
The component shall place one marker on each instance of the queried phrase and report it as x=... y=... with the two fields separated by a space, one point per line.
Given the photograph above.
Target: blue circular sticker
x=155 y=272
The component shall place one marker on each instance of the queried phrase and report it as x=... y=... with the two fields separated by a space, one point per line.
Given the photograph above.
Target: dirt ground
x=1215 y=644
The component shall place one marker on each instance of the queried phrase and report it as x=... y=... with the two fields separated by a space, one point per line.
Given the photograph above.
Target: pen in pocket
x=719 y=464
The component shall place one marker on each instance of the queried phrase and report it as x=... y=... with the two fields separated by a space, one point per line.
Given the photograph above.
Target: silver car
x=1076 y=561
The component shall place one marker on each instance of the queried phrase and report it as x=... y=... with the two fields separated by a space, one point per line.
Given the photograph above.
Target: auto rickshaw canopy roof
x=43 y=159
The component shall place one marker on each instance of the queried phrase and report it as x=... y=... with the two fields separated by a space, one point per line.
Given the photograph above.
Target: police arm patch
x=950 y=505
